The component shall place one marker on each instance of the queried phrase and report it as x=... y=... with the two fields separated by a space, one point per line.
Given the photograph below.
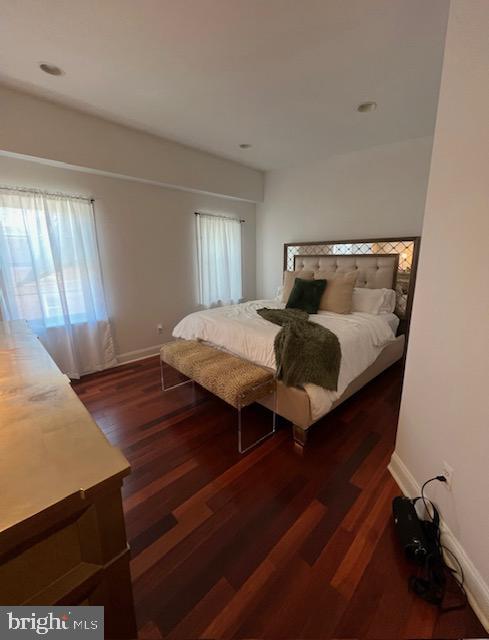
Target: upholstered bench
x=232 y=379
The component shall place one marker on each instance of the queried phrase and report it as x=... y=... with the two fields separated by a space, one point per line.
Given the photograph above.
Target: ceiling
x=285 y=76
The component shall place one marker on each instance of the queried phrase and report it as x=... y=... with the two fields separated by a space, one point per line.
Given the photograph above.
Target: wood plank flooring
x=273 y=544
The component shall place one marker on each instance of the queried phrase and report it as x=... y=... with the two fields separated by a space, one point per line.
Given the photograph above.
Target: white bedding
x=240 y=330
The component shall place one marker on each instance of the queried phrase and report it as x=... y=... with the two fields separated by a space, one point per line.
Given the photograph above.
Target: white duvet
x=240 y=330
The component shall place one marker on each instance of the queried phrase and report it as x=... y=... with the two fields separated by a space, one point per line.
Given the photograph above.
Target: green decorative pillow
x=306 y=295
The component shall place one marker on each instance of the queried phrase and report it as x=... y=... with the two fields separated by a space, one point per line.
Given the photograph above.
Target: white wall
x=42 y=129
x=147 y=246
x=445 y=403
x=372 y=193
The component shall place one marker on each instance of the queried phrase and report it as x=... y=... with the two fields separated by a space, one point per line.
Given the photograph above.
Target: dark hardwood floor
x=272 y=544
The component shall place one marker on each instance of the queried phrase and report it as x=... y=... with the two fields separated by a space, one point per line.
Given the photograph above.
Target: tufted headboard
x=374 y=271
x=381 y=262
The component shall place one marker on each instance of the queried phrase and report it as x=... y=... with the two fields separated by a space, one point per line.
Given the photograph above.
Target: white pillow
x=373 y=301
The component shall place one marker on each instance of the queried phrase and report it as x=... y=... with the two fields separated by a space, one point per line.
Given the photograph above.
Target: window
x=50 y=276
x=219 y=259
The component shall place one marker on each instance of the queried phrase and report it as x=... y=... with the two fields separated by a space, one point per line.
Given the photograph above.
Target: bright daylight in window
x=219 y=259
x=50 y=276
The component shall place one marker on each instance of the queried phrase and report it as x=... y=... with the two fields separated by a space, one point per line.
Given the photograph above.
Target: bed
x=369 y=343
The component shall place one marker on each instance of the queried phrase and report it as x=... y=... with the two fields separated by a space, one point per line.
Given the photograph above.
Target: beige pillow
x=289 y=279
x=338 y=295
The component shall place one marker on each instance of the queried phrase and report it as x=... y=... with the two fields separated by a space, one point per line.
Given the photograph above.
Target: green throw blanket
x=304 y=351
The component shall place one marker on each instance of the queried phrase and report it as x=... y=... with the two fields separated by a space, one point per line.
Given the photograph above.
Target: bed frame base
x=294 y=405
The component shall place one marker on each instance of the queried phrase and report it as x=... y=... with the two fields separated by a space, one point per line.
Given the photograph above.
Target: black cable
x=424 y=499
x=462 y=577
x=459 y=581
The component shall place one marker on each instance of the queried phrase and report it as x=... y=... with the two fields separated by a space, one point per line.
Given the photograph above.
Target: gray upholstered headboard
x=381 y=262
x=375 y=271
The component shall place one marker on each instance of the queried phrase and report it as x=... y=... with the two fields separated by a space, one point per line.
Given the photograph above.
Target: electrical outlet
x=159 y=328
x=448 y=473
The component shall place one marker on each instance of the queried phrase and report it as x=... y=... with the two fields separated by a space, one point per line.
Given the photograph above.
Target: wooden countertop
x=51 y=450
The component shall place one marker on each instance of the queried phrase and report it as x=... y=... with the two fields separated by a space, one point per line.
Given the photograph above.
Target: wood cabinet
x=62 y=534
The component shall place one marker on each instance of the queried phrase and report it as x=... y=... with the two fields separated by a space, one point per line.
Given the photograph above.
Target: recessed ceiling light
x=365 y=107
x=245 y=145
x=52 y=69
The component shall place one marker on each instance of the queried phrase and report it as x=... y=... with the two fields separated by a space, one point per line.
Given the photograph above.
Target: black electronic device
x=410 y=530
x=420 y=540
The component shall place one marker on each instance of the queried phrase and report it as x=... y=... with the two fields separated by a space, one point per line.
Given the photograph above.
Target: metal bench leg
x=267 y=435
x=300 y=435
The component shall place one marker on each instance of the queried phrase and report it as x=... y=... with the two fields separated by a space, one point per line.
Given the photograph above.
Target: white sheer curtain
x=50 y=275
x=219 y=259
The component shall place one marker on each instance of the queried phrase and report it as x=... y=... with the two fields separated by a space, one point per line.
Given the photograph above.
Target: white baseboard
x=477 y=590
x=139 y=354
